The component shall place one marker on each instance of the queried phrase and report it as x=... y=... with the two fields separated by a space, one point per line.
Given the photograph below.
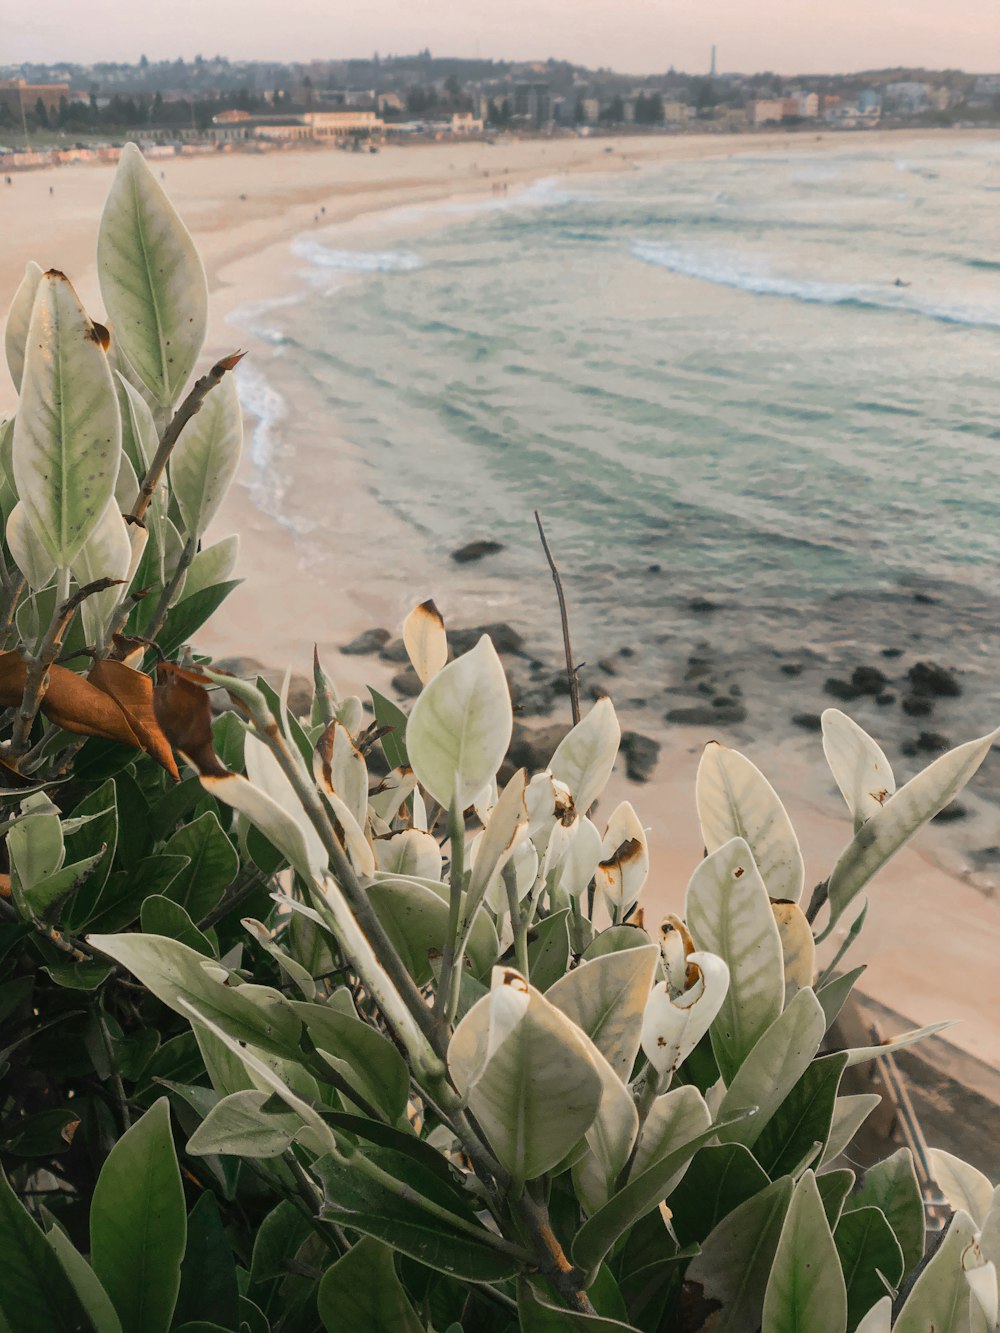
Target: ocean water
x=709 y=380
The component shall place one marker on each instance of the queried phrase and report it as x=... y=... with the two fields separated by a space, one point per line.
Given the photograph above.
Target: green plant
x=439 y=1076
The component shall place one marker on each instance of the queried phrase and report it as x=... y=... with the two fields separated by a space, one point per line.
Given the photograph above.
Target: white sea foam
x=269 y=408
x=252 y=317
x=733 y=271
x=354 y=261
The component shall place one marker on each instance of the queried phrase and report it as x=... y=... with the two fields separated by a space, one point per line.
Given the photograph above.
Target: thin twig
x=190 y=407
x=170 y=591
x=116 y=1079
x=572 y=674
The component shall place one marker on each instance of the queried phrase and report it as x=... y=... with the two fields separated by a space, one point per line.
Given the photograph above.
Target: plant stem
x=572 y=673
x=518 y=924
x=116 y=1078
x=170 y=591
x=446 y=1004
x=550 y=1256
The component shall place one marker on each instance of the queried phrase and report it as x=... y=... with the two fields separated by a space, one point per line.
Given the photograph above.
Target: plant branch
x=550 y=1255
x=572 y=674
x=116 y=1079
x=446 y=1003
x=190 y=407
x=170 y=591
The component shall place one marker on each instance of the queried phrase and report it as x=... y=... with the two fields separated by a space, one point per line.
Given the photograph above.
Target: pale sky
x=638 y=36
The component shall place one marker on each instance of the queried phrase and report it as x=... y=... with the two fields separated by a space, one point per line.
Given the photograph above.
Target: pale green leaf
x=849 y=1114
x=138 y=1224
x=892 y=1186
x=877 y=841
x=239 y=1126
x=206 y=456
x=94 y=1299
x=585 y=757
x=965 y=1188
x=805 y=1291
x=67 y=433
x=36 y=1295
x=861 y=770
x=28 y=550
x=106 y=554
x=18 y=320
x=460 y=727
x=152 y=280
x=605 y=998
x=729 y=914
x=212 y=565
x=361 y=1291
x=940 y=1299
x=773 y=1067
x=735 y=800
x=675 y=1118
x=859 y=1055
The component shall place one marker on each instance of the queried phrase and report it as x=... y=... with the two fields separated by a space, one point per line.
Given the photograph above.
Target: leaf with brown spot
x=184 y=715
x=132 y=691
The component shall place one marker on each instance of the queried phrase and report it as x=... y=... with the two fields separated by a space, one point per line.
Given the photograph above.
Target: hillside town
x=65 y=112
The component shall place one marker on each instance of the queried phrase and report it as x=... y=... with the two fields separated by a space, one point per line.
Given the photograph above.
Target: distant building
x=338 y=124
x=22 y=97
x=232 y=117
x=906 y=98
x=766 y=111
x=533 y=104
x=677 y=113
x=464 y=122
x=591 y=110
x=802 y=106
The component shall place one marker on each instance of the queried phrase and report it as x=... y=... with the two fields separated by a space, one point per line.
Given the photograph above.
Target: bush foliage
x=309 y=1024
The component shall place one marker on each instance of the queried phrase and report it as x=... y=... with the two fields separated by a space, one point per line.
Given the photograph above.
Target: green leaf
x=278 y=1239
x=36 y=1295
x=46 y=895
x=773 y=1067
x=239 y=1125
x=616 y=939
x=548 y=952
x=867 y=1249
x=585 y=757
x=206 y=456
x=538 y=1092
x=538 y=1315
x=368 y=1061
x=806 y=1290
x=736 y=1258
x=88 y=841
x=358 y=1202
x=896 y=822
x=640 y=1196
x=152 y=280
x=460 y=726
x=719 y=1179
x=362 y=1291
x=860 y=769
x=940 y=1298
x=67 y=433
x=177 y=975
x=802 y=1119
x=388 y=714
x=834 y=995
x=18 y=320
x=964 y=1186
x=213 y=864
x=728 y=912
x=892 y=1186
x=415 y=917
x=605 y=997
x=188 y=616
x=94 y=1299
x=138 y=1225
x=834 y=1187
x=126 y=890
x=208 y=1272
x=735 y=800
x=161 y=916
x=849 y=1114
x=213 y=564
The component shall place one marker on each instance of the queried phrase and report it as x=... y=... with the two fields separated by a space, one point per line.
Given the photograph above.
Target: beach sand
x=931 y=940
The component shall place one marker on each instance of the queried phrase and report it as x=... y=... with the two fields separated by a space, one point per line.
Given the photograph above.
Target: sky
x=637 y=36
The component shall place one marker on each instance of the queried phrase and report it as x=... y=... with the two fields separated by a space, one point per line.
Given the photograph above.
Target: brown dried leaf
x=184 y=714
x=70 y=701
x=132 y=691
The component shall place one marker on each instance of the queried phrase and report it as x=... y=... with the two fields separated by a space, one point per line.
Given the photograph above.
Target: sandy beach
x=932 y=938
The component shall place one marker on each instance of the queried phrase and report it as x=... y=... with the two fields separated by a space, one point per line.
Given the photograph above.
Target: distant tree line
x=126 y=112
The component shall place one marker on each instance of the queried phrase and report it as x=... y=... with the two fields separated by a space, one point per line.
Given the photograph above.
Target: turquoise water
x=708 y=379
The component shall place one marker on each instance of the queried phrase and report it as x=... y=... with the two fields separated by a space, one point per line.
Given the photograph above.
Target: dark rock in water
x=654 y=569
x=808 y=721
x=736 y=692
x=641 y=754
x=300 y=688
x=701 y=605
x=395 y=652
x=892 y=652
x=696 y=668
x=559 y=684
x=475 y=551
x=706 y=687
x=925 y=599
x=953 y=811
x=626 y=652
x=533 y=747
x=933 y=742
x=915 y=706
x=505 y=638
x=885 y=699
x=869 y=680
x=407 y=683
x=707 y=716
x=929 y=678
x=370 y=641
x=842 y=689
x=792 y=668
x=607 y=666
x=722 y=701
x=986 y=856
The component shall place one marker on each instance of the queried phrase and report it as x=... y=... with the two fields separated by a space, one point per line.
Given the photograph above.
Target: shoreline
x=286 y=603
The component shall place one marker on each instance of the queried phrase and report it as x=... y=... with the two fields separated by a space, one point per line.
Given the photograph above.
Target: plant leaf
x=67 y=433
x=869 y=1258
x=721 y=1177
x=426 y=641
x=138 y=1225
x=729 y=914
x=460 y=727
x=152 y=280
x=206 y=456
x=18 y=320
x=238 y=1125
x=940 y=1298
x=891 y=1185
x=36 y=1295
x=860 y=769
x=585 y=757
x=605 y=998
x=803 y=1118
x=849 y=1114
x=805 y=1290
x=735 y=800
x=361 y=1290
